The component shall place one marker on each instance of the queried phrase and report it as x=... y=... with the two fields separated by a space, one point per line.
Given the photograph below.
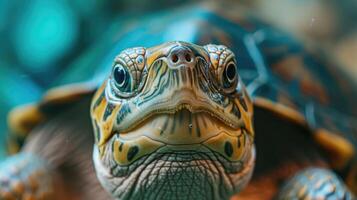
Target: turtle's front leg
x=26 y=176
x=315 y=183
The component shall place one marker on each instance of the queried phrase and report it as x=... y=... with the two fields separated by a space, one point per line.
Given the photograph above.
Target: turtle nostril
x=174 y=58
x=188 y=57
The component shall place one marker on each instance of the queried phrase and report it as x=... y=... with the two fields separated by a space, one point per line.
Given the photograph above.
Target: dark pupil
x=119 y=75
x=231 y=72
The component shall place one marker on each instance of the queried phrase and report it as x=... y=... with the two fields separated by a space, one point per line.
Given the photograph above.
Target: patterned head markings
x=134 y=58
x=173 y=94
x=219 y=55
x=225 y=76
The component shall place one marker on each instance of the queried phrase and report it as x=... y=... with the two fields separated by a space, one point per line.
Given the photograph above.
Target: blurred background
x=42 y=39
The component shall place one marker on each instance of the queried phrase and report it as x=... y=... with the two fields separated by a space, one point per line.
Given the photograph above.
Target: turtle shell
x=280 y=74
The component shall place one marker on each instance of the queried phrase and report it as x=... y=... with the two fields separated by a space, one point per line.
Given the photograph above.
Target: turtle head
x=176 y=117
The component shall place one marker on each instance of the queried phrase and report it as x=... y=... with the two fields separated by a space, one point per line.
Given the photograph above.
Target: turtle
x=203 y=102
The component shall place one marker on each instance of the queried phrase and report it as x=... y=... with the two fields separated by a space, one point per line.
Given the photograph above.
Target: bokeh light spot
x=45 y=31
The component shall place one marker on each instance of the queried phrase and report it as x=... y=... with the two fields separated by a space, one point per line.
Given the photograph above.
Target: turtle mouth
x=181 y=125
x=195 y=110
x=175 y=104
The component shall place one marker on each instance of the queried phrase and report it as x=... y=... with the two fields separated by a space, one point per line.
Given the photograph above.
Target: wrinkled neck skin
x=176 y=175
x=173 y=122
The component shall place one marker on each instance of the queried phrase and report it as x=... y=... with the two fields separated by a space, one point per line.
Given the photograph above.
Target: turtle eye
x=230 y=76
x=122 y=79
x=230 y=72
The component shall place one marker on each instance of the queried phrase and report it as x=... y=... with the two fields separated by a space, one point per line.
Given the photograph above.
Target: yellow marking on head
x=152 y=58
x=247 y=116
x=107 y=126
x=102 y=150
x=153 y=53
x=99 y=110
x=97 y=113
x=231 y=147
x=127 y=151
x=98 y=93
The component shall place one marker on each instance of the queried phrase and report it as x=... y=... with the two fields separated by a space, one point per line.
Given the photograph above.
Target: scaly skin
x=173 y=122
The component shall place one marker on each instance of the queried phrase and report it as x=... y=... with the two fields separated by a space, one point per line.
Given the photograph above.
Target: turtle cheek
x=126 y=151
x=231 y=147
